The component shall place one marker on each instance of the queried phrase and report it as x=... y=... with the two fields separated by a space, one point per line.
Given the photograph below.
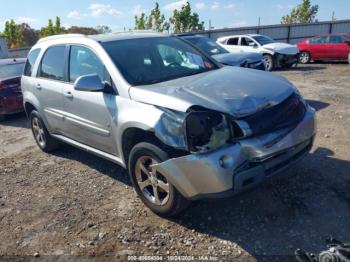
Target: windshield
x=156 y=59
x=11 y=70
x=207 y=45
x=263 y=40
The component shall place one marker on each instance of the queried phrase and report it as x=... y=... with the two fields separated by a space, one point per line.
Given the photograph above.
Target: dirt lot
x=73 y=203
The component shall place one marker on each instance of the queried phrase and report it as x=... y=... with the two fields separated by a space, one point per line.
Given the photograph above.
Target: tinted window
x=52 y=64
x=233 y=41
x=245 y=41
x=84 y=62
x=33 y=55
x=319 y=40
x=156 y=59
x=11 y=70
x=207 y=45
x=336 y=39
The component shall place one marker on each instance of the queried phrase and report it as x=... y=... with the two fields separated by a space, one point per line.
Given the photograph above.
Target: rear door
x=88 y=115
x=232 y=44
x=319 y=47
x=48 y=84
x=339 y=48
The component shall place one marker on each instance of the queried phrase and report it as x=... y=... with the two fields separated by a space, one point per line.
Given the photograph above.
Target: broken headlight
x=206 y=131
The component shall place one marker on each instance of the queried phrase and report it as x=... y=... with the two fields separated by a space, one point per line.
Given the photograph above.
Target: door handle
x=38 y=86
x=68 y=95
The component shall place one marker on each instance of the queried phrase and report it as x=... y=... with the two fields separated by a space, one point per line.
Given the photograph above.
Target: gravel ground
x=76 y=204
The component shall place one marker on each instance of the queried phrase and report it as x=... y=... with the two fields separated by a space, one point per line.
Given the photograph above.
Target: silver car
x=184 y=126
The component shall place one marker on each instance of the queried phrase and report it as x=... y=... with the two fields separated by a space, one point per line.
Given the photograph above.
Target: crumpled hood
x=283 y=48
x=236 y=59
x=233 y=90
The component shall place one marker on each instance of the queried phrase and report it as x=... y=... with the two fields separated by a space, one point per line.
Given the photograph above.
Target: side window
x=33 y=55
x=319 y=40
x=336 y=39
x=83 y=61
x=233 y=41
x=52 y=64
x=245 y=41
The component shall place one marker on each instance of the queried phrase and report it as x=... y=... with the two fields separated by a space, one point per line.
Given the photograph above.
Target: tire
x=145 y=181
x=42 y=137
x=349 y=58
x=268 y=60
x=304 y=57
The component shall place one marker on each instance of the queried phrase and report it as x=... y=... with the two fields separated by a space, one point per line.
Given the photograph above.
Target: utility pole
x=259 y=21
x=333 y=16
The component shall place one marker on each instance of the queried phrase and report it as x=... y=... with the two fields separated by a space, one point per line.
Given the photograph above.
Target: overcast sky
x=120 y=14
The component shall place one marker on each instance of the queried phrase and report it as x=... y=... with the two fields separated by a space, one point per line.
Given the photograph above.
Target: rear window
x=52 y=64
x=11 y=70
x=33 y=55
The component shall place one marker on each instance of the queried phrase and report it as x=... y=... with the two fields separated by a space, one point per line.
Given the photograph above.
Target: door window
x=336 y=39
x=52 y=64
x=33 y=55
x=83 y=61
x=246 y=41
x=319 y=40
x=233 y=41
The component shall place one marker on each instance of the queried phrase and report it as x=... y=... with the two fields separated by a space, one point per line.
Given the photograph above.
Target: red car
x=11 y=100
x=325 y=47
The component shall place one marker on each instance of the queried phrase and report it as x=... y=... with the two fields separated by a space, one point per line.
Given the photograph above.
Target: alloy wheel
x=153 y=185
x=268 y=62
x=39 y=132
x=304 y=58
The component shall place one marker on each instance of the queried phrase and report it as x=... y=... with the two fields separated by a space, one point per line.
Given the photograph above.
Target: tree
x=184 y=20
x=140 y=22
x=82 y=30
x=13 y=35
x=103 y=29
x=29 y=34
x=302 y=13
x=155 y=21
x=52 y=29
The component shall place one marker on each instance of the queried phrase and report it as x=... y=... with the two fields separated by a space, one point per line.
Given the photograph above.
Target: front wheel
x=304 y=57
x=268 y=61
x=154 y=189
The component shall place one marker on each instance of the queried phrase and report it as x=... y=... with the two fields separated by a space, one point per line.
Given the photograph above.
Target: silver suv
x=184 y=126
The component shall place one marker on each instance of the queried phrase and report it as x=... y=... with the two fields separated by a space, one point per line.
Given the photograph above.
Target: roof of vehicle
x=106 y=37
x=9 y=61
x=189 y=35
x=340 y=34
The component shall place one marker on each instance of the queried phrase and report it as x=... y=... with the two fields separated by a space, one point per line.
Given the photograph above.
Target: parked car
x=275 y=54
x=325 y=47
x=10 y=86
x=184 y=126
x=220 y=54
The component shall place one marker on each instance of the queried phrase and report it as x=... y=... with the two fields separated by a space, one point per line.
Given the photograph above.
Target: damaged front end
x=228 y=155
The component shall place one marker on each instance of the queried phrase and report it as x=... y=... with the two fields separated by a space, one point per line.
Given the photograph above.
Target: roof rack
x=60 y=36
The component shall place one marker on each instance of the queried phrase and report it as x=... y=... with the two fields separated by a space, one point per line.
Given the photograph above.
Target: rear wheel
x=304 y=57
x=268 y=61
x=42 y=137
x=153 y=188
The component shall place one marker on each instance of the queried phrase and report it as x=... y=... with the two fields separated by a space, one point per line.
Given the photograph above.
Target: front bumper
x=282 y=60
x=11 y=104
x=242 y=165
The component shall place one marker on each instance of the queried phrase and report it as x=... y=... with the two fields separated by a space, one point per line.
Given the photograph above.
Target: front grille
x=286 y=114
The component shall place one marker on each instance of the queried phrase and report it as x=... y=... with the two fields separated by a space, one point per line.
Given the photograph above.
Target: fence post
x=288 y=34
x=330 y=27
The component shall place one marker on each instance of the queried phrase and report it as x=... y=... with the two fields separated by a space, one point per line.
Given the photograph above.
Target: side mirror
x=252 y=44
x=89 y=83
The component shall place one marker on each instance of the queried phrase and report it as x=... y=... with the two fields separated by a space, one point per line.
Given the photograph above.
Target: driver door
x=88 y=115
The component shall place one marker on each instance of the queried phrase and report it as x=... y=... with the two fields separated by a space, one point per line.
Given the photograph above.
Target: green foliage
x=103 y=29
x=82 y=30
x=184 y=20
x=303 y=13
x=13 y=35
x=155 y=21
x=52 y=29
